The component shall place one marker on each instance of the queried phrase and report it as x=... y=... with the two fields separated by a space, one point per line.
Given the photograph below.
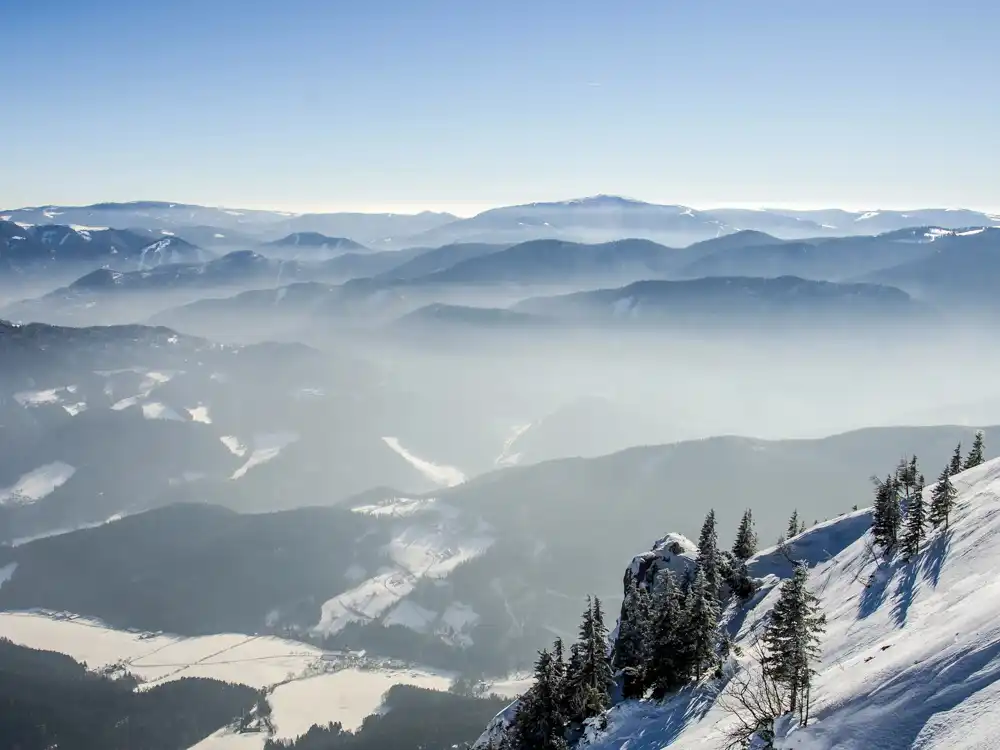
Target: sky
x=459 y=105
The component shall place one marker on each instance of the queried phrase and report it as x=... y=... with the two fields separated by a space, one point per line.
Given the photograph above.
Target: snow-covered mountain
x=910 y=657
x=836 y=258
x=232 y=224
x=604 y=218
x=961 y=270
x=27 y=248
x=599 y=218
x=311 y=246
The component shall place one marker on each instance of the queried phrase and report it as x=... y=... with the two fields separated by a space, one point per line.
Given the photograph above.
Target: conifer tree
x=539 y=722
x=558 y=668
x=745 y=545
x=793 y=525
x=632 y=646
x=906 y=478
x=571 y=690
x=942 y=499
x=916 y=521
x=667 y=669
x=701 y=624
x=589 y=678
x=792 y=637
x=708 y=554
x=976 y=453
x=956 y=460
x=886 y=518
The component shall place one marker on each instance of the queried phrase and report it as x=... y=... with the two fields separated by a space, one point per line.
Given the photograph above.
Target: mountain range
x=594 y=219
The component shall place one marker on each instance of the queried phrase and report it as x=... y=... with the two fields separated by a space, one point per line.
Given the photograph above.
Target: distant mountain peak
x=316 y=239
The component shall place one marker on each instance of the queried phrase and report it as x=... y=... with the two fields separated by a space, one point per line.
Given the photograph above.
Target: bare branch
x=754 y=700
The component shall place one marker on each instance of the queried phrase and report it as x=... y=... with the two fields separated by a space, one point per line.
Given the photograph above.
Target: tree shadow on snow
x=684 y=709
x=903 y=595
x=934 y=557
x=929 y=689
x=875 y=591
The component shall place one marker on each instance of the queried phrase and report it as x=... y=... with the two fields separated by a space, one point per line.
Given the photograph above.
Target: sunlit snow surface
x=428 y=539
x=200 y=414
x=7 y=572
x=37 y=483
x=911 y=655
x=266 y=446
x=445 y=476
x=350 y=695
x=58 y=532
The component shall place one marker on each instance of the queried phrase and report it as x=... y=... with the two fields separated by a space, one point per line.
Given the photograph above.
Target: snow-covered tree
x=886 y=518
x=569 y=699
x=942 y=499
x=701 y=624
x=708 y=554
x=916 y=520
x=976 y=453
x=906 y=478
x=589 y=678
x=632 y=647
x=792 y=637
x=539 y=723
x=745 y=545
x=956 y=460
x=667 y=669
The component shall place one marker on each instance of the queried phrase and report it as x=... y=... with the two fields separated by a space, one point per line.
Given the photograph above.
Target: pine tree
x=667 y=669
x=746 y=540
x=572 y=680
x=886 y=518
x=589 y=678
x=558 y=668
x=916 y=520
x=539 y=722
x=701 y=624
x=942 y=499
x=906 y=478
x=956 y=460
x=708 y=554
x=792 y=636
x=604 y=678
x=976 y=456
x=793 y=525
x=632 y=647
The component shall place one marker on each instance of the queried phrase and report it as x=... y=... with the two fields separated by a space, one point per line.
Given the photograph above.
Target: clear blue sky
x=463 y=104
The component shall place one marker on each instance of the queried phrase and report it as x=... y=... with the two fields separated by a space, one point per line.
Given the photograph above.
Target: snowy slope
x=429 y=540
x=910 y=657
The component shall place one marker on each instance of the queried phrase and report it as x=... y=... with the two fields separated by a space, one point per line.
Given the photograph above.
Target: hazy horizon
x=464 y=210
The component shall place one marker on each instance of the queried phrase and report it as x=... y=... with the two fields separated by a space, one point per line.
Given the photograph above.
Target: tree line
x=900 y=516
x=670 y=635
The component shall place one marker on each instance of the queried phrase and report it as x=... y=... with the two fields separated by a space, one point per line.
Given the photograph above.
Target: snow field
x=347 y=696
x=299 y=696
x=444 y=476
x=430 y=541
x=255 y=661
x=37 y=484
x=266 y=446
